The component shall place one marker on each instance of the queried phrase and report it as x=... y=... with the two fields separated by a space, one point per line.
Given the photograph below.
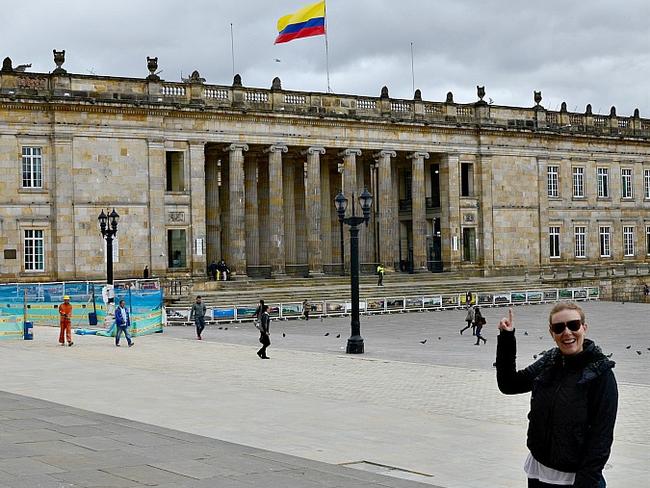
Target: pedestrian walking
x=469 y=318
x=479 y=322
x=646 y=290
x=306 y=308
x=122 y=324
x=145 y=272
x=65 y=322
x=573 y=403
x=197 y=314
x=468 y=298
x=265 y=332
x=258 y=310
x=380 y=275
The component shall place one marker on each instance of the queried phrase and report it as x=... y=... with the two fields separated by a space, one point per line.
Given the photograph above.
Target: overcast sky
x=578 y=51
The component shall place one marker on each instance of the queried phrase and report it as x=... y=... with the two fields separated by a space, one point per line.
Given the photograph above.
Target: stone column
x=224 y=205
x=63 y=229
x=451 y=241
x=364 y=231
x=276 y=208
x=314 y=203
x=326 y=205
x=485 y=211
x=252 y=217
x=263 y=210
x=197 y=195
x=237 y=245
x=302 y=232
x=419 y=216
x=212 y=208
x=289 y=212
x=157 y=231
x=387 y=233
x=350 y=191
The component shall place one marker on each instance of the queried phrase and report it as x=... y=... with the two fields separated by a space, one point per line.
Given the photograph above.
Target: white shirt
x=537 y=471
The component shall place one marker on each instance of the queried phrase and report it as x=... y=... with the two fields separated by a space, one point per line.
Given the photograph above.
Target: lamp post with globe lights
x=355 y=342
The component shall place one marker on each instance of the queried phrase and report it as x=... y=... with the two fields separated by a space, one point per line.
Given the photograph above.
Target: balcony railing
x=98 y=89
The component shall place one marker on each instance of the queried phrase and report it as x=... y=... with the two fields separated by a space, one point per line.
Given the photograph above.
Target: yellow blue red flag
x=306 y=22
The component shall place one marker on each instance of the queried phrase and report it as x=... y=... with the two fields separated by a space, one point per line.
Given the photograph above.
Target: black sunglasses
x=573 y=325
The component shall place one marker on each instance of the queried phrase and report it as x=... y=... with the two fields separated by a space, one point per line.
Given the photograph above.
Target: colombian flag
x=306 y=22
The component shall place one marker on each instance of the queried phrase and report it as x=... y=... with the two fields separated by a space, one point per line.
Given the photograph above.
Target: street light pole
x=355 y=342
x=108 y=228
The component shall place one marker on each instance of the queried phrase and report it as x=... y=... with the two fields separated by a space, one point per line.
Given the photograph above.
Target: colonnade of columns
x=269 y=210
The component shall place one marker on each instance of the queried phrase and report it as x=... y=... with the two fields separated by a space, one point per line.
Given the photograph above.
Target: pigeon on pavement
x=423 y=342
x=326 y=334
x=627 y=347
x=284 y=335
x=338 y=335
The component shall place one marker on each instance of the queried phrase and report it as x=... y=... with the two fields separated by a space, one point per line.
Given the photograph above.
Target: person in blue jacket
x=122 y=323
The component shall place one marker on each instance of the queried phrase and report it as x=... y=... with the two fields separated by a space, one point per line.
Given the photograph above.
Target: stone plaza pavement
x=431 y=410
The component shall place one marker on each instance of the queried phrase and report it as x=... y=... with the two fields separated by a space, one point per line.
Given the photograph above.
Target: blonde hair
x=558 y=307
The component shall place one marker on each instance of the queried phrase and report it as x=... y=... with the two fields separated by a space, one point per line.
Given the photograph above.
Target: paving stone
x=147 y=475
x=27 y=465
x=95 y=478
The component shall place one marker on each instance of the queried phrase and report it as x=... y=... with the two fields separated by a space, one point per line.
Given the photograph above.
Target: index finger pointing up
x=510 y=316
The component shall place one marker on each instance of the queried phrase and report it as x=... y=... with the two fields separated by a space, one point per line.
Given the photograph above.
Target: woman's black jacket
x=572 y=407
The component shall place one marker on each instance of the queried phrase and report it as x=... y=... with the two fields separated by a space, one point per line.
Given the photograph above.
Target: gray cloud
x=580 y=52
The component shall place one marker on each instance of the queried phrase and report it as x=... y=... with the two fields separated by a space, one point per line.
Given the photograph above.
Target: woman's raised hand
x=506 y=323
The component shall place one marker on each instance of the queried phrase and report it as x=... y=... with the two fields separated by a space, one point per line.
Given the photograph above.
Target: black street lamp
x=355 y=342
x=108 y=228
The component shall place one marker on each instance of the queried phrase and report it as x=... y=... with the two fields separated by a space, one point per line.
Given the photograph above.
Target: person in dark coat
x=145 y=272
x=573 y=403
x=265 y=332
x=477 y=326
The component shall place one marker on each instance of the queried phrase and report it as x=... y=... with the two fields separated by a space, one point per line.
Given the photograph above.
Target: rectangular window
x=466 y=179
x=628 y=240
x=626 y=183
x=603 y=182
x=554 y=242
x=175 y=171
x=647 y=240
x=605 y=241
x=177 y=248
x=552 y=181
x=578 y=182
x=646 y=183
x=580 y=233
x=408 y=185
x=33 y=250
x=32 y=167
x=435 y=186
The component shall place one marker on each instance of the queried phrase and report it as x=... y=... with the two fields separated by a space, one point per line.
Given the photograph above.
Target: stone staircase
x=248 y=292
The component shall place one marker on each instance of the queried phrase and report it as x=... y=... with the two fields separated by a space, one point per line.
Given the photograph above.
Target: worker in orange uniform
x=65 y=321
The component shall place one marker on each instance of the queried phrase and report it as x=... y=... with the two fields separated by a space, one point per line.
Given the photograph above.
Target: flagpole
x=232 y=50
x=327 y=52
x=412 y=69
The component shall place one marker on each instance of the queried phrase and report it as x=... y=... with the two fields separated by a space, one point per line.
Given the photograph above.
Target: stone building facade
x=198 y=172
